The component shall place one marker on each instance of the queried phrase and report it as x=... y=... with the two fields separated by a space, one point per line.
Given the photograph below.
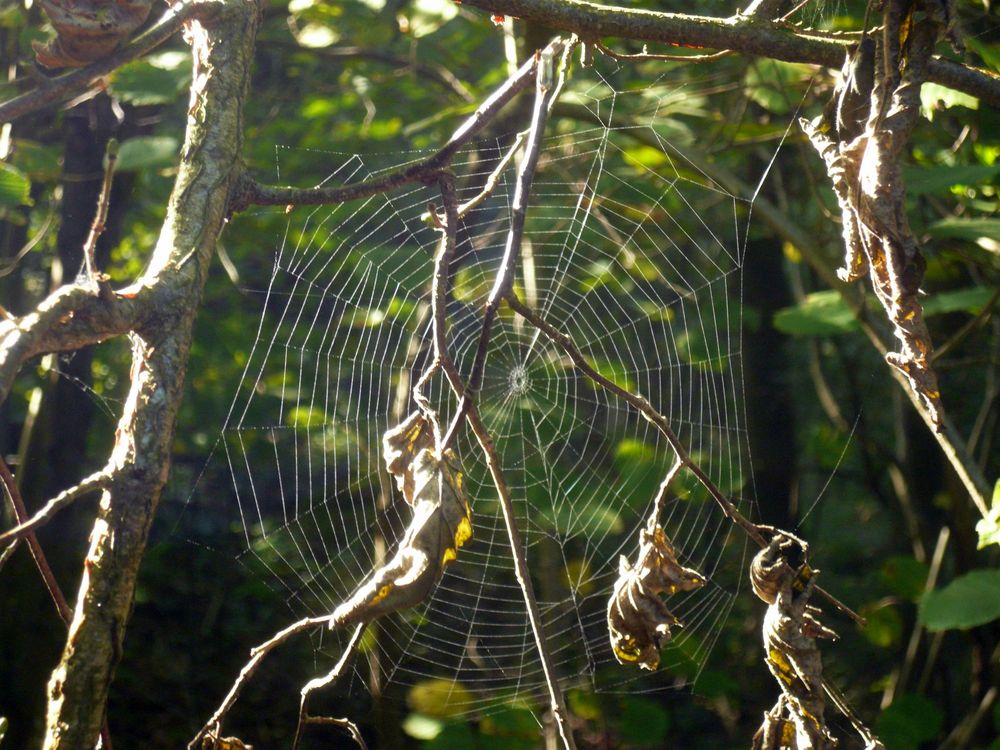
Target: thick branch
x=140 y=460
x=743 y=34
x=71 y=317
x=65 y=86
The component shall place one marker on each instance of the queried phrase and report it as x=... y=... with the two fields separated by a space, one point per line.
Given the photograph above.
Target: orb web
x=631 y=251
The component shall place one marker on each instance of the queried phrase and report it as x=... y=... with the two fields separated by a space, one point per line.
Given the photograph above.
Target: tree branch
x=744 y=34
x=65 y=86
x=26 y=525
x=71 y=317
x=161 y=341
x=249 y=192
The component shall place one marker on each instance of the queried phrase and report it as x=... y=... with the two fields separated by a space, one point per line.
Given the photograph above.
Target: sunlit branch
x=503 y=282
x=321 y=682
x=65 y=86
x=28 y=525
x=71 y=317
x=257 y=655
x=250 y=192
x=471 y=415
x=641 y=56
x=744 y=34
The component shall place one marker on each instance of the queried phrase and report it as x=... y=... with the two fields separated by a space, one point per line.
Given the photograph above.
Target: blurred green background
x=765 y=373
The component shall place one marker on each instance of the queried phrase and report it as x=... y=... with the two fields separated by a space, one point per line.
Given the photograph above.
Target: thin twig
x=101 y=215
x=505 y=274
x=42 y=563
x=322 y=682
x=971 y=325
x=257 y=654
x=558 y=702
x=607 y=51
x=94 y=482
x=65 y=86
x=21 y=515
x=754 y=531
x=250 y=192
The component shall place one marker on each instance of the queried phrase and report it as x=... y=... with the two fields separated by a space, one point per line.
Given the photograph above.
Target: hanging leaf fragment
x=861 y=140
x=441 y=524
x=639 y=622
x=87 y=30
x=781 y=576
x=401 y=445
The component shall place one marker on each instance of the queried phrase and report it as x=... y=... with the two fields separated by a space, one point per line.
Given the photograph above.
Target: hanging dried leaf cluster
x=860 y=139
x=87 y=30
x=638 y=619
x=441 y=524
x=781 y=576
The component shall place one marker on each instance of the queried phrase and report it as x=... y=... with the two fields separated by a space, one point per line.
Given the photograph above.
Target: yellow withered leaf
x=638 y=620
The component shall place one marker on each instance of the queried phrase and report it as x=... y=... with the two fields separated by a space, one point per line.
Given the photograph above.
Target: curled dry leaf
x=638 y=620
x=861 y=140
x=87 y=30
x=781 y=576
x=401 y=445
x=441 y=524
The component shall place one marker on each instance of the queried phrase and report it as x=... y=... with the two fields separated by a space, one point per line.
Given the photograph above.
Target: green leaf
x=884 y=625
x=147 y=152
x=159 y=79
x=15 y=187
x=973 y=230
x=909 y=721
x=423 y=727
x=37 y=161
x=969 y=300
x=819 y=314
x=935 y=97
x=989 y=528
x=772 y=84
x=970 y=600
x=929 y=180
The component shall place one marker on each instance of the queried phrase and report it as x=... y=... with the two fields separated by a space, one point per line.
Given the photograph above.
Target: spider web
x=630 y=250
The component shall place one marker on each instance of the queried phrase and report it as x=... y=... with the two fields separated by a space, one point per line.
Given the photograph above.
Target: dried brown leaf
x=87 y=30
x=638 y=620
x=401 y=445
x=441 y=524
x=781 y=576
x=863 y=166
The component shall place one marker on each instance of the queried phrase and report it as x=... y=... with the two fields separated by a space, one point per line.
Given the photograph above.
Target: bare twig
x=250 y=192
x=504 y=280
x=257 y=654
x=471 y=415
x=90 y=484
x=971 y=325
x=71 y=317
x=100 y=217
x=70 y=84
x=21 y=514
x=321 y=682
x=638 y=57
